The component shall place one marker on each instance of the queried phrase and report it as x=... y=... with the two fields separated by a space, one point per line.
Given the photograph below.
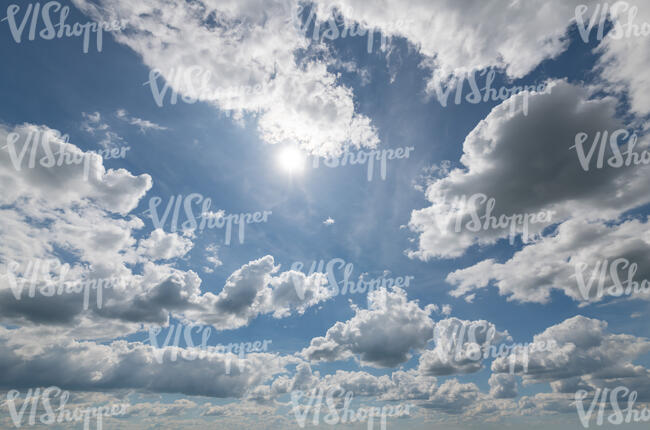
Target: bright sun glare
x=291 y=160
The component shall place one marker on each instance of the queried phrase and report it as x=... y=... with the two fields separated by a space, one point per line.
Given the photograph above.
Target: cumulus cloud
x=570 y=260
x=257 y=288
x=382 y=335
x=452 y=397
x=150 y=297
x=47 y=208
x=79 y=207
x=164 y=246
x=520 y=36
x=267 y=73
x=526 y=165
x=82 y=180
x=76 y=205
x=399 y=386
x=460 y=347
x=545 y=403
x=121 y=365
x=254 y=68
x=624 y=53
x=584 y=354
x=503 y=386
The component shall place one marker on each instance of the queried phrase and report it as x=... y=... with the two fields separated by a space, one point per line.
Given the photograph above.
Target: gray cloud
x=525 y=164
x=382 y=335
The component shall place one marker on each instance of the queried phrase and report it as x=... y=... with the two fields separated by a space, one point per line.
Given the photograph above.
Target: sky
x=271 y=213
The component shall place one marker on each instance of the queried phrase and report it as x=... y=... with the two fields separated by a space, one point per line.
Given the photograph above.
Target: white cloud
x=513 y=35
x=625 y=55
x=253 y=46
x=158 y=409
x=164 y=246
x=584 y=355
x=459 y=347
x=212 y=257
x=93 y=124
x=519 y=36
x=535 y=271
x=253 y=290
x=452 y=397
x=399 y=386
x=503 y=386
x=49 y=208
x=143 y=124
x=382 y=335
x=121 y=365
x=114 y=190
x=526 y=165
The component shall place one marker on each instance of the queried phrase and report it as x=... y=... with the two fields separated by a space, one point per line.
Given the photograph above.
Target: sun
x=291 y=160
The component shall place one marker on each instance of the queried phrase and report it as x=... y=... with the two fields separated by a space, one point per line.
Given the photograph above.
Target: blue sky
x=228 y=150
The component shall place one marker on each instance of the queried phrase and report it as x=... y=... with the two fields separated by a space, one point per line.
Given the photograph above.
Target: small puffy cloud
x=382 y=335
x=255 y=289
x=503 y=386
x=164 y=246
x=460 y=347
x=452 y=397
